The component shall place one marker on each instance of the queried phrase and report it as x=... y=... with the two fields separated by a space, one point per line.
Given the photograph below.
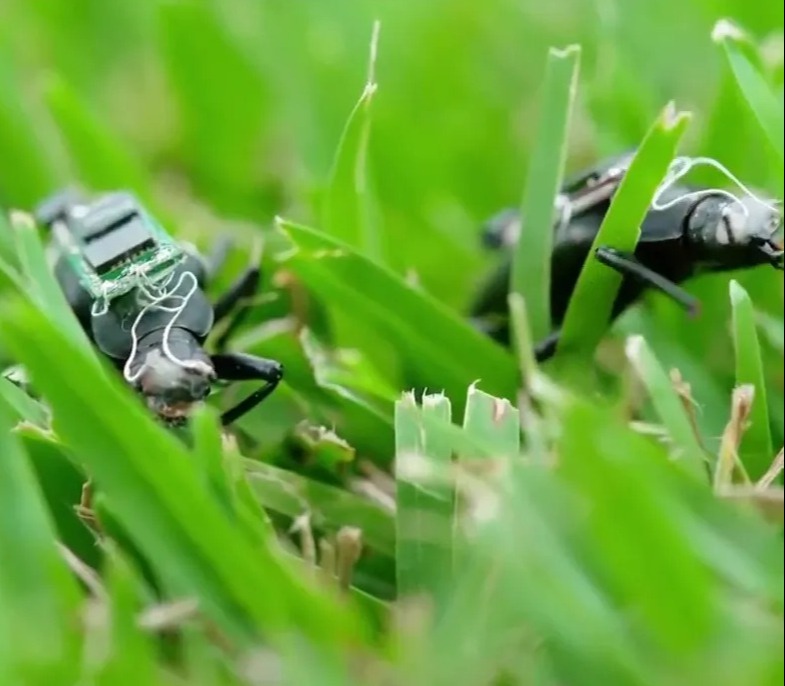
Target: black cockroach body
x=139 y=296
x=688 y=231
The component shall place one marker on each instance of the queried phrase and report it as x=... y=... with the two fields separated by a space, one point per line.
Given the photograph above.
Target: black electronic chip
x=121 y=242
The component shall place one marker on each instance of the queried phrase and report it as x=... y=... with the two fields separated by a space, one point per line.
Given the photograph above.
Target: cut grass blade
x=756 y=447
x=347 y=204
x=425 y=499
x=589 y=310
x=38 y=597
x=760 y=97
x=668 y=406
x=492 y=422
x=445 y=351
x=101 y=160
x=194 y=543
x=531 y=265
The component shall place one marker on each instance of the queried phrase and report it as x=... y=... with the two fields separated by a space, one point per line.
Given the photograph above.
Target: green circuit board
x=115 y=247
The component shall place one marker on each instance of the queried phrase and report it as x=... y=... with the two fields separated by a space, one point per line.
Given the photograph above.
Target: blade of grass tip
x=668 y=405
x=742 y=55
x=38 y=596
x=101 y=159
x=757 y=446
x=424 y=497
x=347 y=204
x=530 y=275
x=492 y=421
x=590 y=306
x=25 y=407
x=39 y=281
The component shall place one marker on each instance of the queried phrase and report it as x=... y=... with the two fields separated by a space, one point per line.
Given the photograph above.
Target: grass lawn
x=415 y=505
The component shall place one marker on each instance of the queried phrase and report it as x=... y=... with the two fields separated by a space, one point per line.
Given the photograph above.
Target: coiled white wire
x=156 y=294
x=681 y=166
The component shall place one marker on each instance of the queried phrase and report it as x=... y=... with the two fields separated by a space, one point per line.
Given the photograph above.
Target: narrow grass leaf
x=347 y=203
x=130 y=658
x=624 y=479
x=757 y=446
x=668 y=406
x=101 y=159
x=522 y=338
x=23 y=406
x=760 y=97
x=293 y=495
x=37 y=280
x=38 y=597
x=425 y=499
x=445 y=351
x=184 y=530
x=531 y=264
x=592 y=301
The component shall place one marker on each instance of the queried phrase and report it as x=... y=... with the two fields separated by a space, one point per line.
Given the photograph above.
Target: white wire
x=156 y=301
x=681 y=166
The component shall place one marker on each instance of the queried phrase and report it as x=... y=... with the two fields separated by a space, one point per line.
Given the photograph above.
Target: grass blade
x=756 y=447
x=38 y=597
x=590 y=307
x=38 y=281
x=197 y=547
x=347 y=205
x=531 y=264
x=291 y=494
x=443 y=349
x=425 y=506
x=668 y=405
x=492 y=422
x=760 y=97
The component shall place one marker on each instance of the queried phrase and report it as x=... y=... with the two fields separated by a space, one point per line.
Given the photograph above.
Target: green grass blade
x=425 y=501
x=444 y=350
x=760 y=97
x=531 y=264
x=757 y=450
x=38 y=597
x=492 y=422
x=624 y=480
x=347 y=204
x=130 y=656
x=668 y=406
x=291 y=494
x=590 y=307
x=184 y=529
x=101 y=159
x=24 y=407
x=39 y=282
